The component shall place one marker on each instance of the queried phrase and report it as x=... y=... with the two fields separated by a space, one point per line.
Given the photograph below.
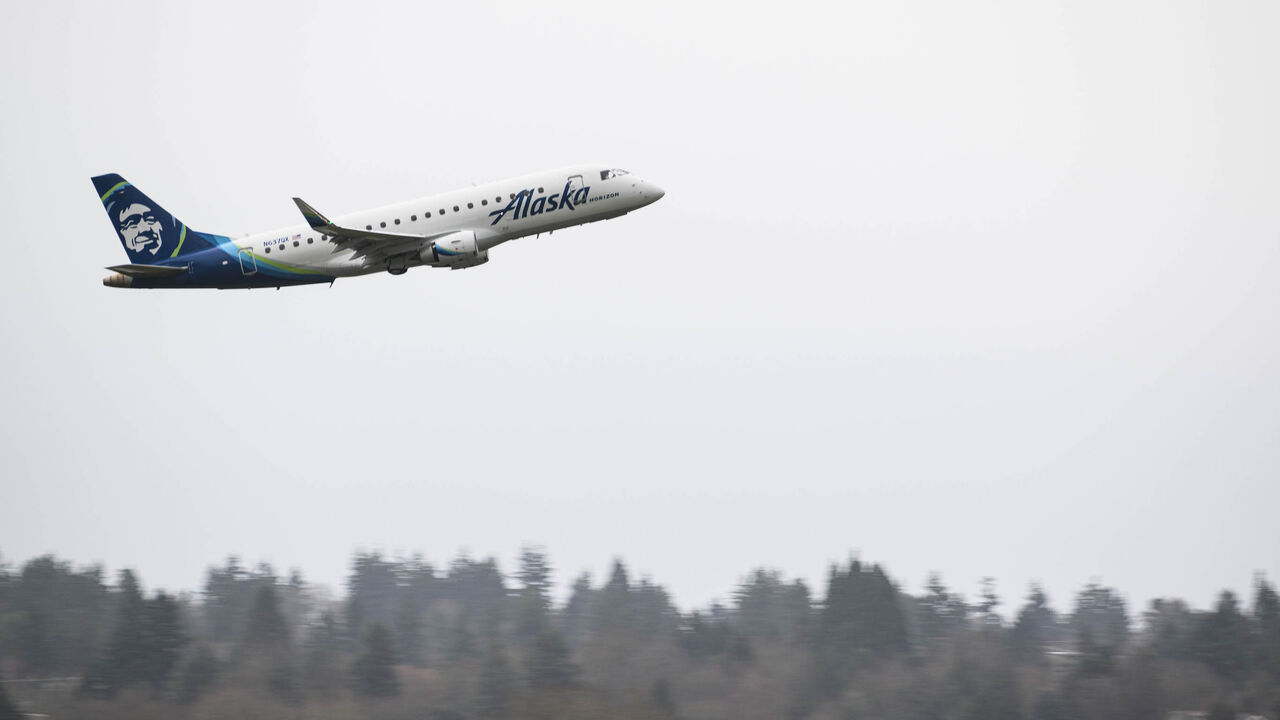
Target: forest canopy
x=468 y=640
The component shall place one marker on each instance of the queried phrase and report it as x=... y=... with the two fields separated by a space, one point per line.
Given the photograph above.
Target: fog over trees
x=467 y=640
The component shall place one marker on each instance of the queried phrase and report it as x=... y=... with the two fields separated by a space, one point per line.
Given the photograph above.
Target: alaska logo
x=524 y=204
x=146 y=230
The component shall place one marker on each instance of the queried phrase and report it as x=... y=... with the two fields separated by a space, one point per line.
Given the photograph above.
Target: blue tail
x=147 y=231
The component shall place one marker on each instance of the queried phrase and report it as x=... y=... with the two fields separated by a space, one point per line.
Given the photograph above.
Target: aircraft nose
x=654 y=192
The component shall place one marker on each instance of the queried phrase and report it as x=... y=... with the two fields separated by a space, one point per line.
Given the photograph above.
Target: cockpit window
x=606 y=174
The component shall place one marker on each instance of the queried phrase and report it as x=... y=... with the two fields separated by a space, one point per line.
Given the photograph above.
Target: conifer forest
x=470 y=640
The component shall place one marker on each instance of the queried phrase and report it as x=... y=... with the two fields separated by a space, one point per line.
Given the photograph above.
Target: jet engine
x=455 y=251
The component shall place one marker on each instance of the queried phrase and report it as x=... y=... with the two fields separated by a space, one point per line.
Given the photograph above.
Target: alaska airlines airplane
x=455 y=230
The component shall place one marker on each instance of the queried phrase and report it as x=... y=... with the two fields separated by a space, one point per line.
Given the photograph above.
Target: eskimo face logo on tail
x=145 y=228
x=140 y=228
x=525 y=204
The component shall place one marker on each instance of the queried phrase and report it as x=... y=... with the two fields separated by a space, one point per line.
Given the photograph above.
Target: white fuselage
x=595 y=192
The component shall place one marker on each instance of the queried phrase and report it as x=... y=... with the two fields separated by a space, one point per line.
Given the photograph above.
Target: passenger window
x=470 y=206
x=455 y=208
x=295 y=243
x=427 y=215
x=267 y=251
x=498 y=199
x=484 y=201
x=397 y=221
x=441 y=211
x=311 y=241
x=540 y=191
x=413 y=218
x=382 y=224
x=368 y=227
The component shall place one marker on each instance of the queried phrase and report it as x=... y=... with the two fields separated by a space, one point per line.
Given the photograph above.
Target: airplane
x=454 y=230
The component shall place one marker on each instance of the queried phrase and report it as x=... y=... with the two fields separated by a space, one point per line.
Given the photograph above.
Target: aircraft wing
x=369 y=244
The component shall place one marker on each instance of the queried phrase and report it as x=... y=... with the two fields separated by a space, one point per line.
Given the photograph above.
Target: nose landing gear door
x=248 y=264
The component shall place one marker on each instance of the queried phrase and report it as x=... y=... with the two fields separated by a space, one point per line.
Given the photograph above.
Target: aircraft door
x=248 y=263
x=575 y=183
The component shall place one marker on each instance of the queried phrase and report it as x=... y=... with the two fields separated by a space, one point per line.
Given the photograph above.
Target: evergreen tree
x=614 y=610
x=294 y=599
x=411 y=641
x=265 y=630
x=373 y=591
x=126 y=657
x=885 y=631
x=1222 y=639
x=496 y=686
x=374 y=673
x=462 y=642
x=939 y=613
x=145 y=643
x=1101 y=616
x=419 y=590
x=198 y=675
x=705 y=635
x=62 y=615
x=478 y=586
x=987 y=606
x=861 y=621
x=162 y=641
x=323 y=672
x=534 y=600
x=1266 y=629
x=797 y=612
x=229 y=595
x=767 y=608
x=1035 y=625
x=266 y=649
x=579 y=616
x=1168 y=628
x=1095 y=659
x=550 y=667
x=652 y=613
x=36 y=651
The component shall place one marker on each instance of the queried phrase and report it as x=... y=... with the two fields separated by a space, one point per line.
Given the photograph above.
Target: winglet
x=313 y=216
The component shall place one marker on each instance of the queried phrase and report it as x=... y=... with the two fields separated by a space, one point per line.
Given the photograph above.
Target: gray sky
x=986 y=288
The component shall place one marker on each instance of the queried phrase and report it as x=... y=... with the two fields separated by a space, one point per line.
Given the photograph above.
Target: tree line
x=466 y=640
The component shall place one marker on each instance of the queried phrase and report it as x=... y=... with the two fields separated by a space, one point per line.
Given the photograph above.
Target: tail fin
x=147 y=231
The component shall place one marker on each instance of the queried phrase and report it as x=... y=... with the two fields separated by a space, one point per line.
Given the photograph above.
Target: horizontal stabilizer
x=149 y=271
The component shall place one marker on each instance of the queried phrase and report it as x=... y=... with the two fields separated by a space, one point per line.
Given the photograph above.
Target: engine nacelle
x=456 y=250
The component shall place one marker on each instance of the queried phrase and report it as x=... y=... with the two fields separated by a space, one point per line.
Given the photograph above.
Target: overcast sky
x=983 y=288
